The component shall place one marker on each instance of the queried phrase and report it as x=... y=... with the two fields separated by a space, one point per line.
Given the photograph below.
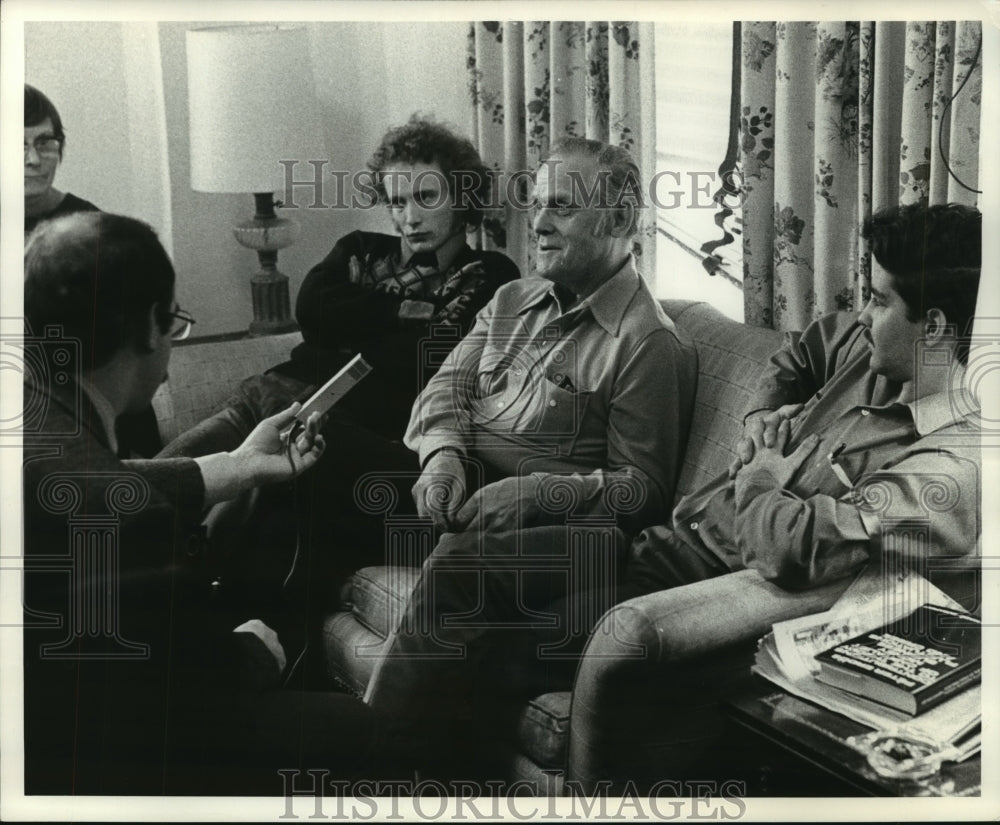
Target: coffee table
x=815 y=738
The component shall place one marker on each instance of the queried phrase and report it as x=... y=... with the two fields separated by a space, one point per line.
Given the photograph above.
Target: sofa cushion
x=348 y=652
x=376 y=596
x=203 y=374
x=543 y=729
x=355 y=635
x=528 y=778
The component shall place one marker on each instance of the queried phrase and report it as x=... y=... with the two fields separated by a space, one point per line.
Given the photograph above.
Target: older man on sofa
x=574 y=386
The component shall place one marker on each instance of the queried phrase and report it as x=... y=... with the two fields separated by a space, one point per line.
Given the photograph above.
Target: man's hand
x=440 y=490
x=772 y=458
x=508 y=504
x=760 y=427
x=265 y=457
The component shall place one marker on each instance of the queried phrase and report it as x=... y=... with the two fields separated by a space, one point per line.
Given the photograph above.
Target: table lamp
x=252 y=104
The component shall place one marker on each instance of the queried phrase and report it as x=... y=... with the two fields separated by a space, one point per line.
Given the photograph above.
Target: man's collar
x=104 y=411
x=445 y=254
x=607 y=303
x=610 y=300
x=943 y=409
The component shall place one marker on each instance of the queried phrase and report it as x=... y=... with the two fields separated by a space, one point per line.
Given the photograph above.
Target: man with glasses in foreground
x=138 y=688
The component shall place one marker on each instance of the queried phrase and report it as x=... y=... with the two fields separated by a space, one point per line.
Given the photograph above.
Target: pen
x=838 y=471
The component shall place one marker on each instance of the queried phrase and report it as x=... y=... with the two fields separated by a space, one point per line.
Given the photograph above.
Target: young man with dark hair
x=136 y=689
x=933 y=255
x=856 y=411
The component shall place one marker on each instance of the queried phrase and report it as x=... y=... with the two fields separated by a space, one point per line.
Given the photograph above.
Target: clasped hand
x=440 y=495
x=760 y=428
x=771 y=457
x=440 y=490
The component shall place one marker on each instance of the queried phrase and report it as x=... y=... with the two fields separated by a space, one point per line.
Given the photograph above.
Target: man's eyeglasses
x=44 y=145
x=182 y=324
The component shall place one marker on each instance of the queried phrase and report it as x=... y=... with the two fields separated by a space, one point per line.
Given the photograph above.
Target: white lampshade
x=252 y=103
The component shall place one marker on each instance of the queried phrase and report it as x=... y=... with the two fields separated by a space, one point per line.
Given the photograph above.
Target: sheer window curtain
x=147 y=128
x=531 y=83
x=838 y=120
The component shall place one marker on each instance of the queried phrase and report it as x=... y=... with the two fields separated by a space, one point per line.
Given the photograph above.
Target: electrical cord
x=972 y=68
x=293 y=433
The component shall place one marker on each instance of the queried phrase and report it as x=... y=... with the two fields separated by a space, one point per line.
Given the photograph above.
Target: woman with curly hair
x=382 y=296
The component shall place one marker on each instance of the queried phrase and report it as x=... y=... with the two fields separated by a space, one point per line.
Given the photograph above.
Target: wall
x=115 y=152
x=131 y=154
x=97 y=159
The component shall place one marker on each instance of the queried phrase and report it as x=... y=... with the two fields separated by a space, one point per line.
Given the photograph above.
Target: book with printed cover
x=911 y=664
x=786 y=656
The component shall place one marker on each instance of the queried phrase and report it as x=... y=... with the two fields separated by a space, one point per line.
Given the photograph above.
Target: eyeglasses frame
x=188 y=320
x=59 y=143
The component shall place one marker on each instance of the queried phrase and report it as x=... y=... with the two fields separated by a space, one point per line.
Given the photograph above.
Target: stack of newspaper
x=786 y=657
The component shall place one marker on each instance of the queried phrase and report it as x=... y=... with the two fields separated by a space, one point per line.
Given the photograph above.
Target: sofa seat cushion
x=543 y=729
x=372 y=602
x=376 y=596
x=348 y=652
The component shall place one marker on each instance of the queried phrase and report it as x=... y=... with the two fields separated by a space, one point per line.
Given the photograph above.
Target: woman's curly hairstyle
x=423 y=140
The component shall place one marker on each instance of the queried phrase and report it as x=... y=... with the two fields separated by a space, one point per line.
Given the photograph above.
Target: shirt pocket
x=560 y=415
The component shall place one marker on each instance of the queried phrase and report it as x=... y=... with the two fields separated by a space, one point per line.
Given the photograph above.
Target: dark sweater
x=352 y=302
x=67 y=206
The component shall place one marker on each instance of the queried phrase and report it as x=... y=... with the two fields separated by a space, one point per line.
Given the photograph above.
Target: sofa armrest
x=684 y=622
x=647 y=691
x=203 y=374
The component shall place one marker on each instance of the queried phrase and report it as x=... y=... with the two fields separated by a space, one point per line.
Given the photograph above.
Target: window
x=693 y=97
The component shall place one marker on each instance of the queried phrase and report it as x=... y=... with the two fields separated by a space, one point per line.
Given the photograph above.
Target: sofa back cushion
x=731 y=360
x=203 y=374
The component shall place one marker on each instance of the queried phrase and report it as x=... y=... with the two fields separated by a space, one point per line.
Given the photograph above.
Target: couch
x=645 y=700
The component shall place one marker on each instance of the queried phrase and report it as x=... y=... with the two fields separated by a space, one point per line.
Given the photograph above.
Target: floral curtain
x=838 y=120
x=534 y=82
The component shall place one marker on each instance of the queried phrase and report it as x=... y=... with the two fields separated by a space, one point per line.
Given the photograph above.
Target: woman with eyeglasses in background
x=44 y=142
